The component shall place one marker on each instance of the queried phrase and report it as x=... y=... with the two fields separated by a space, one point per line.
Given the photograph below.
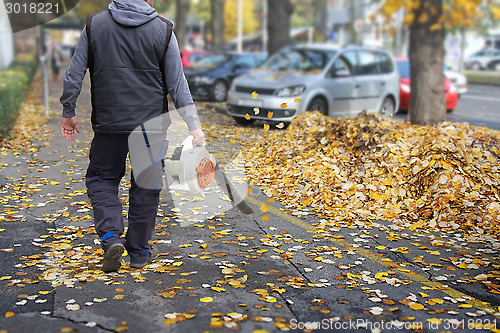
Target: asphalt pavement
x=478 y=106
x=223 y=271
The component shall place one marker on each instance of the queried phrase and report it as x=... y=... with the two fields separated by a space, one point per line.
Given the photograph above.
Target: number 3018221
x=32 y=8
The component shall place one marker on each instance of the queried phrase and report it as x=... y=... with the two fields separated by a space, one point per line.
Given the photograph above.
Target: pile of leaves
x=373 y=167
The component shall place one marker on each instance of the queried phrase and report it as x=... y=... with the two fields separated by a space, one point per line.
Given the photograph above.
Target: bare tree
x=427 y=101
x=217 y=23
x=180 y=28
x=278 y=24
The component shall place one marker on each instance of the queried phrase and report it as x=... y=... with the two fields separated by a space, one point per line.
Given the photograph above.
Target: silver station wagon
x=336 y=81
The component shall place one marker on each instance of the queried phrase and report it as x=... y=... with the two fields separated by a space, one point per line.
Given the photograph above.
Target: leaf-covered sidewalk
x=286 y=266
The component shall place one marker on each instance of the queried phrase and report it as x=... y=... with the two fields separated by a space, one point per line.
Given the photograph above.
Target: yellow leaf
x=218 y=289
x=297 y=100
x=380 y=247
x=185 y=245
x=9 y=314
x=270 y=114
x=283 y=106
x=264 y=208
x=247 y=117
x=265 y=217
x=266 y=127
x=436 y=26
x=254 y=94
x=203 y=246
x=417 y=306
x=206 y=299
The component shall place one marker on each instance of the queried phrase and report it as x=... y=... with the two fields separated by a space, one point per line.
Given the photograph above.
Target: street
x=269 y=271
x=479 y=106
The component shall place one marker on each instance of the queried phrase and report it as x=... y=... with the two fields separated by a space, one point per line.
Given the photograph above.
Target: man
x=134 y=61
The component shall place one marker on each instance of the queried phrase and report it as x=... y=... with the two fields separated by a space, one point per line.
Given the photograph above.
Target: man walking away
x=134 y=61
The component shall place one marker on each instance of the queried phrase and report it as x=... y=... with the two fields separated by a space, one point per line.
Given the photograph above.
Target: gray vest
x=126 y=72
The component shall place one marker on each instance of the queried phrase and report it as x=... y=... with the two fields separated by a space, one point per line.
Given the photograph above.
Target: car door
x=341 y=84
x=371 y=80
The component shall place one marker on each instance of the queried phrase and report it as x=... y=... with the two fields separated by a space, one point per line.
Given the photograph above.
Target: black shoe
x=145 y=259
x=112 y=258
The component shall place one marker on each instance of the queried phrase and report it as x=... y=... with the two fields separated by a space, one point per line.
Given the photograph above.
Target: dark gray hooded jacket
x=132 y=69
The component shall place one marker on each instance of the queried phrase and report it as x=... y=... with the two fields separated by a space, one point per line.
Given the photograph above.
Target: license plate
x=250 y=102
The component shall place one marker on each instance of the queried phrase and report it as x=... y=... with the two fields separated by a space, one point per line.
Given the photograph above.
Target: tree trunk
x=278 y=24
x=182 y=11
x=217 y=8
x=427 y=98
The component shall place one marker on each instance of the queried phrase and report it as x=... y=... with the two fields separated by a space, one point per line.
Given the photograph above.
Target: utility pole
x=264 y=25
x=240 y=25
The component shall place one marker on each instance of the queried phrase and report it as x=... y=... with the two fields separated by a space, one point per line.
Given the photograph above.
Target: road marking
x=482 y=98
x=414 y=276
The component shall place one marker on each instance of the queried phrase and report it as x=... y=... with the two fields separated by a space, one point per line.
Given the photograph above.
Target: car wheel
x=475 y=66
x=219 y=91
x=318 y=104
x=243 y=121
x=388 y=107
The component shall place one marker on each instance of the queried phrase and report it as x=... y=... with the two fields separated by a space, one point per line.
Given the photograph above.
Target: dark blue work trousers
x=108 y=154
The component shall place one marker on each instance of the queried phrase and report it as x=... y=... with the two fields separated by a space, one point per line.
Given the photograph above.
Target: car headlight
x=203 y=79
x=405 y=88
x=290 y=91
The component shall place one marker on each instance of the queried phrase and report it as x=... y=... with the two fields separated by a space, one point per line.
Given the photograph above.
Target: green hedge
x=479 y=78
x=14 y=83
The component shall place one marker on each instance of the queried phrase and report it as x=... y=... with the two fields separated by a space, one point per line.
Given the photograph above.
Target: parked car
x=480 y=60
x=212 y=76
x=459 y=80
x=494 y=64
x=335 y=81
x=189 y=57
x=404 y=81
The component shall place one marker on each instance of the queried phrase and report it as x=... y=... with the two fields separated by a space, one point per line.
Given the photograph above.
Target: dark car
x=494 y=64
x=211 y=77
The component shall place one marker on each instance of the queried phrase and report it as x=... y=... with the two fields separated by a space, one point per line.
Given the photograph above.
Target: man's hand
x=199 y=136
x=68 y=128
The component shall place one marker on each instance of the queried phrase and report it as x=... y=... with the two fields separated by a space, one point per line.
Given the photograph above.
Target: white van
x=333 y=80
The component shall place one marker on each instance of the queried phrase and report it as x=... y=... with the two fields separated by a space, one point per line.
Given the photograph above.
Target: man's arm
x=72 y=87
x=178 y=90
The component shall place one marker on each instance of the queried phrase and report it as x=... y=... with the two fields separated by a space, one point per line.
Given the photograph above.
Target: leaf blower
x=194 y=169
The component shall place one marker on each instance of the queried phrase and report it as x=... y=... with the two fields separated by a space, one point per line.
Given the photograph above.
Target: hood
x=266 y=78
x=131 y=13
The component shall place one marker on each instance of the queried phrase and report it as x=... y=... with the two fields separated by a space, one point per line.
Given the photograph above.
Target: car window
x=215 y=60
x=196 y=57
x=340 y=64
x=245 y=61
x=403 y=68
x=351 y=61
x=306 y=60
x=368 y=63
x=385 y=64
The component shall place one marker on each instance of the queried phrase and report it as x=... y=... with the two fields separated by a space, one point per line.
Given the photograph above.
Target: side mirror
x=342 y=73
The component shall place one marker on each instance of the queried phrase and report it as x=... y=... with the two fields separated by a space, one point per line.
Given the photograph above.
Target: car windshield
x=403 y=68
x=305 y=60
x=214 y=60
